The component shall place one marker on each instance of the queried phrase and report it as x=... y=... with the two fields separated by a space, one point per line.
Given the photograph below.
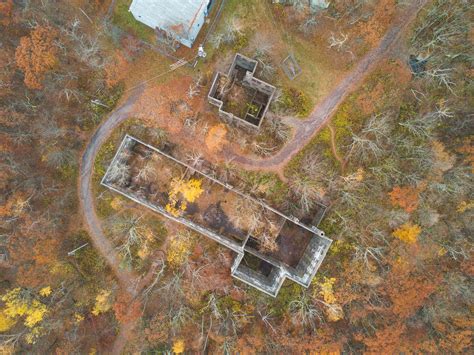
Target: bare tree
x=267 y=68
x=229 y=34
x=364 y=148
x=274 y=126
x=119 y=173
x=179 y=316
x=129 y=231
x=308 y=25
x=338 y=42
x=263 y=148
x=303 y=311
x=195 y=159
x=58 y=157
x=148 y=171
x=300 y=5
x=366 y=254
x=442 y=76
x=263 y=45
x=195 y=88
x=87 y=48
x=422 y=126
x=306 y=190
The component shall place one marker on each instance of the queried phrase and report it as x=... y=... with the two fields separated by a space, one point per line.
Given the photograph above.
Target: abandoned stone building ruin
x=300 y=248
x=240 y=97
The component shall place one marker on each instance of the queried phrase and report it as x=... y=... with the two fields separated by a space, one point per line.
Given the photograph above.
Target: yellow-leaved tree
x=45 y=291
x=179 y=249
x=178 y=346
x=407 y=232
x=334 y=311
x=103 y=302
x=463 y=206
x=6 y=323
x=24 y=304
x=181 y=193
x=327 y=290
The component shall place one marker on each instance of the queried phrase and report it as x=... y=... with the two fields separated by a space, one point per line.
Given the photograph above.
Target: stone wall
x=243 y=62
x=302 y=274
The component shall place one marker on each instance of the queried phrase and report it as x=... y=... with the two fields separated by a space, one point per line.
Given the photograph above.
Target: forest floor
x=304 y=131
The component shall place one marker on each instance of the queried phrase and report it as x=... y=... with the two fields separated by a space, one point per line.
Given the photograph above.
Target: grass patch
x=105 y=154
x=376 y=95
x=104 y=204
x=320 y=143
x=125 y=20
x=268 y=185
x=101 y=103
x=88 y=260
x=294 y=101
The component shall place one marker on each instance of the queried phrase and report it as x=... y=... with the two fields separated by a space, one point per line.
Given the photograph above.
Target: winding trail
x=126 y=279
x=86 y=198
x=334 y=148
x=304 y=130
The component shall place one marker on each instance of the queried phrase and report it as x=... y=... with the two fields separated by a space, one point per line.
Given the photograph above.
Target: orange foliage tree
x=405 y=197
x=116 y=70
x=408 y=292
x=127 y=309
x=385 y=340
x=6 y=9
x=36 y=55
x=460 y=340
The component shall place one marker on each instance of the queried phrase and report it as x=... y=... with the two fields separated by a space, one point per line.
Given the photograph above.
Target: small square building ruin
x=240 y=97
x=300 y=249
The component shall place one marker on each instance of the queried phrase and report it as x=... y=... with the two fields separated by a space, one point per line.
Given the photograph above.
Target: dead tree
x=305 y=190
x=303 y=311
x=308 y=25
x=119 y=173
x=338 y=42
x=130 y=232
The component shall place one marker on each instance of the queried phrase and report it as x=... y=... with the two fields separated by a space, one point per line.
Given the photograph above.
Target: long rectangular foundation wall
x=270 y=284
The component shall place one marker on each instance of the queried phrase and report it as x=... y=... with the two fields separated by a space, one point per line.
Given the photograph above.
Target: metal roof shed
x=182 y=19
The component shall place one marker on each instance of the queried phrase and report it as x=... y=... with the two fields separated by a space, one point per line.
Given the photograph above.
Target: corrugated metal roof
x=182 y=18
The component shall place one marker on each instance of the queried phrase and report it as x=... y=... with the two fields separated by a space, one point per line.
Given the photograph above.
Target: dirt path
x=86 y=198
x=110 y=9
x=308 y=128
x=334 y=148
x=126 y=279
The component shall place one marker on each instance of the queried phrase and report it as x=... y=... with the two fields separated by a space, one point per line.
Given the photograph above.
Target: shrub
x=241 y=41
x=295 y=102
